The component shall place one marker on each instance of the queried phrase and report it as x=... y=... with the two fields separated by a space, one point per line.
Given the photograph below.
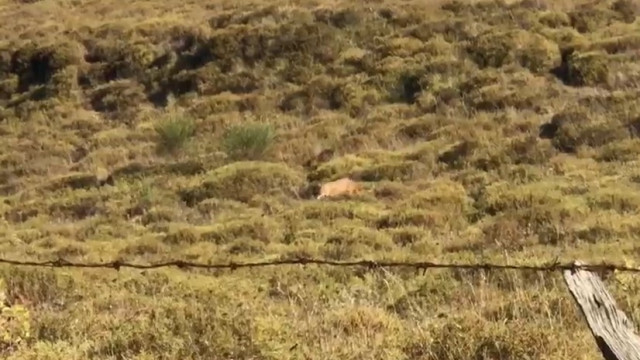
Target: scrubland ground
x=200 y=130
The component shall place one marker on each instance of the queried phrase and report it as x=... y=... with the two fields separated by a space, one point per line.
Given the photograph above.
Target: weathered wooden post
x=614 y=333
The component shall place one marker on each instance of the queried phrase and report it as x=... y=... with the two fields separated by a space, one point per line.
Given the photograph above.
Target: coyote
x=340 y=187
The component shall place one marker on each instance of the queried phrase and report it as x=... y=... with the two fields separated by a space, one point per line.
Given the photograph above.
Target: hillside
x=149 y=131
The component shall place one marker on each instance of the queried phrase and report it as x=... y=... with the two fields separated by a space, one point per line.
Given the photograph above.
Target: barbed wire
x=417 y=265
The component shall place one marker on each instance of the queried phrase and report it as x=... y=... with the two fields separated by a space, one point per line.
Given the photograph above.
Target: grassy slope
x=438 y=108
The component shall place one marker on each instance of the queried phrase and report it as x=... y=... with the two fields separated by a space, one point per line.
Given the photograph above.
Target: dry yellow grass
x=496 y=131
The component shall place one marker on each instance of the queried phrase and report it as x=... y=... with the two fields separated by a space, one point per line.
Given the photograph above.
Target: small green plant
x=248 y=141
x=174 y=132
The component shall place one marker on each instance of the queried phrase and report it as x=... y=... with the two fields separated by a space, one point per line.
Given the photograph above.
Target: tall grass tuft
x=174 y=132
x=249 y=141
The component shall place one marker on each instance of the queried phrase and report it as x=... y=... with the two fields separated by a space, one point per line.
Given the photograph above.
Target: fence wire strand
x=417 y=265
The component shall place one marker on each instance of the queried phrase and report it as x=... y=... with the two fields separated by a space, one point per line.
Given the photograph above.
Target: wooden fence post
x=614 y=333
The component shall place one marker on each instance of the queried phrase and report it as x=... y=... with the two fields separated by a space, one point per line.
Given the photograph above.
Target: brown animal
x=340 y=187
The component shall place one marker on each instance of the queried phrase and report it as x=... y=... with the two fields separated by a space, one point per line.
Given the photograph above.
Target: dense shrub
x=174 y=132
x=248 y=141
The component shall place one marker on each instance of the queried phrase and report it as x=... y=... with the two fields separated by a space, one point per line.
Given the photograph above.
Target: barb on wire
x=418 y=265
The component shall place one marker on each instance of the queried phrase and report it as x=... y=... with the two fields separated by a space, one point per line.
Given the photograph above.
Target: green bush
x=174 y=132
x=248 y=141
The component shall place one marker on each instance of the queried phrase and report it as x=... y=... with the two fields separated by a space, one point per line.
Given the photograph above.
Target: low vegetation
x=174 y=132
x=504 y=131
x=248 y=141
